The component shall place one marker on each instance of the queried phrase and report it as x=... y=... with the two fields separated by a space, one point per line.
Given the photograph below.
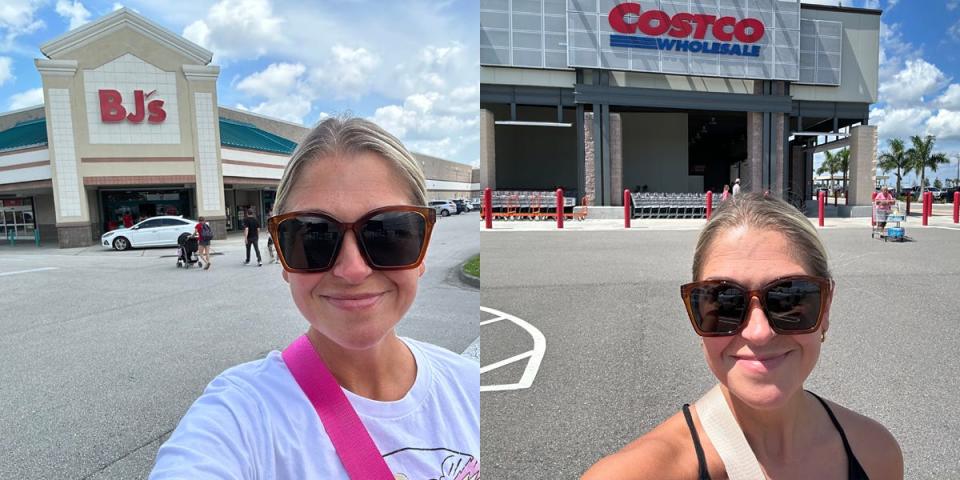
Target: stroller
x=187 y=251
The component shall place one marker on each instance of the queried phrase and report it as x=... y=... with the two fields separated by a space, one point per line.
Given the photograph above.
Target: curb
x=466 y=277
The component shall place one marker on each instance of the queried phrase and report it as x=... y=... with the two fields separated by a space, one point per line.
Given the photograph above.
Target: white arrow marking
x=535 y=355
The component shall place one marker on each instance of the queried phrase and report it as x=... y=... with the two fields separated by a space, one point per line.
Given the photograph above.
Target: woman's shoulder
x=874 y=446
x=444 y=359
x=666 y=452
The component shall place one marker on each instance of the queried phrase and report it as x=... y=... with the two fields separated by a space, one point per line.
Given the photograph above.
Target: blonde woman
x=760 y=299
x=351 y=231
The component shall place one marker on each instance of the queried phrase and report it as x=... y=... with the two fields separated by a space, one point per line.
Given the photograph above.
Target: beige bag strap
x=727 y=437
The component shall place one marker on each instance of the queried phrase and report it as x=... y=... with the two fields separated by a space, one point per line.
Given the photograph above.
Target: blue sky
x=412 y=66
x=919 y=91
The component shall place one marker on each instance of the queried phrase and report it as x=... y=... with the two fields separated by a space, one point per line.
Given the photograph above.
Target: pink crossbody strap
x=357 y=452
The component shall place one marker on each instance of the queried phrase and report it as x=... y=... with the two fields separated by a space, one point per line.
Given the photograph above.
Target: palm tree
x=829 y=165
x=833 y=163
x=895 y=159
x=923 y=157
x=843 y=166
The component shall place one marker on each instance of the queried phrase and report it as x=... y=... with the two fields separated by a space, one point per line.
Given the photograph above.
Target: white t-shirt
x=254 y=422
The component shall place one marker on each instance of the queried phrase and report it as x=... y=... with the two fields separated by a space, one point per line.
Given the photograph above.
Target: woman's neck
x=384 y=372
x=781 y=433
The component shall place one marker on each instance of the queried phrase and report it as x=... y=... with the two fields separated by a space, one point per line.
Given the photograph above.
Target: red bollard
x=909 y=197
x=488 y=207
x=821 y=199
x=559 y=208
x=956 y=207
x=626 y=208
x=926 y=206
x=709 y=203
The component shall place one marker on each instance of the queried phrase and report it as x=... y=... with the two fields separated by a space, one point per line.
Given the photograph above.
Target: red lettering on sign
x=110 y=108
x=138 y=114
x=157 y=113
x=683 y=24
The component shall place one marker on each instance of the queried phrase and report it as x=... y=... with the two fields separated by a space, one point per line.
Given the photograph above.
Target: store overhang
x=680 y=99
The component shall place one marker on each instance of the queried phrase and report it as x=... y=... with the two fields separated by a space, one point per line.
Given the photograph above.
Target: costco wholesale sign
x=661 y=31
x=757 y=39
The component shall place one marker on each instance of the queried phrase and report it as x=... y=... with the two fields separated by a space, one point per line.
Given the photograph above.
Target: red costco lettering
x=682 y=25
x=112 y=111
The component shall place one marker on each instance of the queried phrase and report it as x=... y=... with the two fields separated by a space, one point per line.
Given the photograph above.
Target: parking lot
x=619 y=356
x=103 y=351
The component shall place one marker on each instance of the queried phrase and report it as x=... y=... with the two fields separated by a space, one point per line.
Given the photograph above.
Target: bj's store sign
x=658 y=30
x=112 y=111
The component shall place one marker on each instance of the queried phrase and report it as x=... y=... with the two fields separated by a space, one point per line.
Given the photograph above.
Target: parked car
x=475 y=203
x=462 y=205
x=152 y=232
x=948 y=193
x=444 y=208
x=937 y=193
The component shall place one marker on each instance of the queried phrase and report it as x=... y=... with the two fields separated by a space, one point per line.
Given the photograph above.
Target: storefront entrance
x=123 y=208
x=17 y=218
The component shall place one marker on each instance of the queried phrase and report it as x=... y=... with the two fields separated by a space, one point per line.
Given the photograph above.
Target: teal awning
x=232 y=134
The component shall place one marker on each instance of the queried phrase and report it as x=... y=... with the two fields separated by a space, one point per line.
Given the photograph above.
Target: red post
x=909 y=197
x=488 y=207
x=709 y=203
x=926 y=206
x=626 y=208
x=821 y=199
x=956 y=207
x=559 y=208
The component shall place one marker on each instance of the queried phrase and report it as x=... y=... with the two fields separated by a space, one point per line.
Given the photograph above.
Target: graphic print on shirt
x=451 y=465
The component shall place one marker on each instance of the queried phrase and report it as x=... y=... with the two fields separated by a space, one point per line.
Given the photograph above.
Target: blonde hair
x=349 y=136
x=763 y=212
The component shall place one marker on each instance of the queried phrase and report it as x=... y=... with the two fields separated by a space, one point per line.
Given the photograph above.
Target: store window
x=123 y=209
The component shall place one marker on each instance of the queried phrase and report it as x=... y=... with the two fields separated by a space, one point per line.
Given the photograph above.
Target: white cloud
x=276 y=80
x=237 y=29
x=953 y=4
x=899 y=122
x=73 y=11
x=17 y=18
x=436 y=124
x=950 y=98
x=25 y=99
x=945 y=124
x=348 y=72
x=917 y=79
x=6 y=70
x=292 y=108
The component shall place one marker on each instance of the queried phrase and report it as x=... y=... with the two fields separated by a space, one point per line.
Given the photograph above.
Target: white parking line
x=535 y=355
x=4 y=274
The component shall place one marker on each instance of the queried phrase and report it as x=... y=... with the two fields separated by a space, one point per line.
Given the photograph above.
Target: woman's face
x=351 y=304
x=763 y=369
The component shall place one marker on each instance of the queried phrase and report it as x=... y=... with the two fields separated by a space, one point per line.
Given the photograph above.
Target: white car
x=152 y=232
x=444 y=208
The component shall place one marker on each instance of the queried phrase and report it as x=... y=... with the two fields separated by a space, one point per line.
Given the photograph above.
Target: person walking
x=251 y=228
x=736 y=187
x=204 y=235
x=726 y=193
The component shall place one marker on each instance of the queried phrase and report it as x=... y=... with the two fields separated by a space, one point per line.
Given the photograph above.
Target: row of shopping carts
x=671 y=205
x=532 y=205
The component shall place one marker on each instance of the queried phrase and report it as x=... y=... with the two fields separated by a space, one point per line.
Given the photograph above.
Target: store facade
x=130 y=128
x=598 y=96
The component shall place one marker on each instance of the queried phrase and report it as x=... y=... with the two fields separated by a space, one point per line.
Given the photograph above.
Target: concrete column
x=779 y=174
x=797 y=177
x=589 y=160
x=208 y=166
x=751 y=174
x=488 y=161
x=863 y=164
x=616 y=159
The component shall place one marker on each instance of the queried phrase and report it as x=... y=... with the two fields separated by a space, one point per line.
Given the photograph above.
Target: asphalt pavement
x=620 y=356
x=104 y=351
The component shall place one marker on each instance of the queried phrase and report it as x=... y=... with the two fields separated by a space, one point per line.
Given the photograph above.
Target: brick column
x=589 y=160
x=488 y=160
x=751 y=174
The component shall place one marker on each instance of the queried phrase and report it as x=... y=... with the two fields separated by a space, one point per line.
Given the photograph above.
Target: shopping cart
x=887 y=222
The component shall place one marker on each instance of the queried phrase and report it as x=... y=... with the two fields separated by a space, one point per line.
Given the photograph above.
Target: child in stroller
x=187 y=251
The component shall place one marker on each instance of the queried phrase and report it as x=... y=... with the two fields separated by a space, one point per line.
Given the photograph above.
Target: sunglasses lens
x=794 y=305
x=718 y=309
x=394 y=239
x=308 y=241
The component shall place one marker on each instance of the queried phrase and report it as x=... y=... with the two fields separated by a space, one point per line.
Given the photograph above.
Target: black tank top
x=854 y=469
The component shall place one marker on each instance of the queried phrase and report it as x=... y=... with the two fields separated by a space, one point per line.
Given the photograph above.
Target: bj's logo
x=112 y=111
